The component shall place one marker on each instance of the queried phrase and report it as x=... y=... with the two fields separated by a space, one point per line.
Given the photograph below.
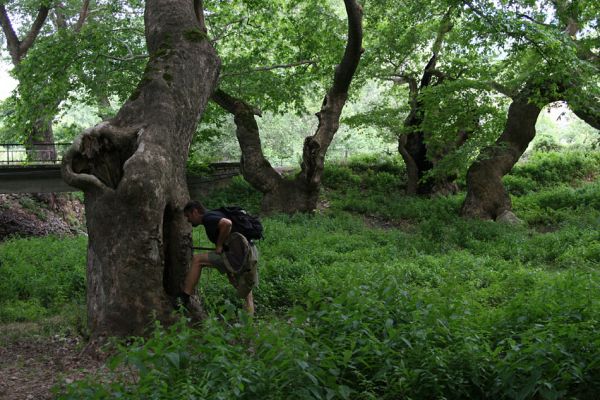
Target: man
x=218 y=230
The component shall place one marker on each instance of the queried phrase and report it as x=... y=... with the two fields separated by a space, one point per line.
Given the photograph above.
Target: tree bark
x=132 y=171
x=301 y=193
x=40 y=141
x=486 y=196
x=411 y=145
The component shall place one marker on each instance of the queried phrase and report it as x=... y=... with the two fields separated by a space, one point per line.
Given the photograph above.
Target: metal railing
x=13 y=154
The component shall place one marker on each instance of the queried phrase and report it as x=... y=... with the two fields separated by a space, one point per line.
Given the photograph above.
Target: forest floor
x=32 y=363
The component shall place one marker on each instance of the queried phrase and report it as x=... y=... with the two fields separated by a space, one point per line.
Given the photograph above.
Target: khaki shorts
x=243 y=283
x=216 y=261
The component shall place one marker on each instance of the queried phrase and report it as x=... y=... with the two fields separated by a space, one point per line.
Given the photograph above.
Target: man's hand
x=219 y=250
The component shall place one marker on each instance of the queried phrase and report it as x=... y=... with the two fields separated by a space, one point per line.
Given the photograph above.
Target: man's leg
x=193 y=276
x=249 y=304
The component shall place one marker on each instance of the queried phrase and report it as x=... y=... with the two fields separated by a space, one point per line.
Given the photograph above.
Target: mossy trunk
x=132 y=171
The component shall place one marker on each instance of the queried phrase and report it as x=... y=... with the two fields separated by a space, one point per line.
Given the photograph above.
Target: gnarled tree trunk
x=486 y=196
x=132 y=171
x=411 y=145
x=413 y=150
x=300 y=194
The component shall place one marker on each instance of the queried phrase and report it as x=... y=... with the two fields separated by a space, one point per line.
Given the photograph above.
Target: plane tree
x=305 y=41
x=421 y=54
x=132 y=170
x=274 y=58
x=550 y=54
x=91 y=64
x=37 y=22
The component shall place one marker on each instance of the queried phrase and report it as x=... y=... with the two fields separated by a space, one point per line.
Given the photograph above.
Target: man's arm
x=224 y=231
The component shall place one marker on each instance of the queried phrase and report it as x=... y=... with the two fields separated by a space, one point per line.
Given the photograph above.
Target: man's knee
x=200 y=260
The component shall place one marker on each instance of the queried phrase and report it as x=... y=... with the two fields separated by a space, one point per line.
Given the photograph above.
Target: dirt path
x=32 y=365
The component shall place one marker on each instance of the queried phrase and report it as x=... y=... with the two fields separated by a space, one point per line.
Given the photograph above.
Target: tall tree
x=547 y=61
x=299 y=194
x=411 y=144
x=132 y=171
x=37 y=121
x=421 y=54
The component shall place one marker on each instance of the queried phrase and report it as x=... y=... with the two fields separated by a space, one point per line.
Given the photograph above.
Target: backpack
x=244 y=223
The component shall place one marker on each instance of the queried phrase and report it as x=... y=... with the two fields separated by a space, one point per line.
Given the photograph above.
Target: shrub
x=339 y=177
x=555 y=168
x=40 y=275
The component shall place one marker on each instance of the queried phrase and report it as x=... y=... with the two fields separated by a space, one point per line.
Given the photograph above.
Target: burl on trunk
x=132 y=171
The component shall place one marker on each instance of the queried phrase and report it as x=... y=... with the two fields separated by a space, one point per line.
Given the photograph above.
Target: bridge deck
x=47 y=178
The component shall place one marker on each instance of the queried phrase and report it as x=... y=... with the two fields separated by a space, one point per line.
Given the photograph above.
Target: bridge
x=36 y=169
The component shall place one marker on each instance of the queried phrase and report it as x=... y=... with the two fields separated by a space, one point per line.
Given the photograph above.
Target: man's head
x=194 y=211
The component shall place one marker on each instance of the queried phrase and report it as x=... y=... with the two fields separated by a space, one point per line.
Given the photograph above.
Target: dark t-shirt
x=211 y=224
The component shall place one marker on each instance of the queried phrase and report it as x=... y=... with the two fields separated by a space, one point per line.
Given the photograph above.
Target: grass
x=450 y=308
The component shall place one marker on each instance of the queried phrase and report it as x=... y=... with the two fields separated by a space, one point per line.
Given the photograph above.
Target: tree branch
x=533 y=20
x=345 y=70
x=255 y=167
x=133 y=57
x=589 y=112
x=489 y=85
x=12 y=41
x=231 y=104
x=82 y=16
x=400 y=79
x=439 y=74
x=199 y=11
x=226 y=27
x=36 y=27
x=446 y=26
x=514 y=35
x=59 y=17
x=270 y=67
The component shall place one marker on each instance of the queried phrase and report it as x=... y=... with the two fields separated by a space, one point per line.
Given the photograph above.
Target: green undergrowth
x=41 y=277
x=382 y=296
x=543 y=170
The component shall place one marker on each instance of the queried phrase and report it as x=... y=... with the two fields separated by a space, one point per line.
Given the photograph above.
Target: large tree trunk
x=413 y=150
x=132 y=171
x=300 y=194
x=486 y=196
x=279 y=194
x=40 y=141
